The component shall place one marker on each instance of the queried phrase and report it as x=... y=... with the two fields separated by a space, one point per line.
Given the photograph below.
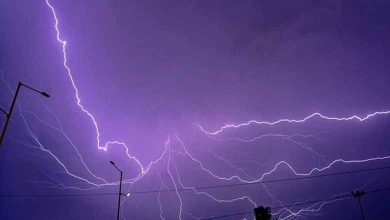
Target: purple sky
x=151 y=72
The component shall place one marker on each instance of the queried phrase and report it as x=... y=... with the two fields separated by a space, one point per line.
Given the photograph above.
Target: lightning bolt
x=175 y=185
x=77 y=95
x=275 y=167
x=270 y=123
x=173 y=171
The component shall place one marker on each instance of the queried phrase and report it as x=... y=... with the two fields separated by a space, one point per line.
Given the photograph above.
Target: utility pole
x=9 y=113
x=120 y=190
x=358 y=195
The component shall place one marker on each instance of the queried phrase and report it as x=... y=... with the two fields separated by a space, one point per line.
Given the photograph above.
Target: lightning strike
x=167 y=151
x=77 y=96
x=270 y=123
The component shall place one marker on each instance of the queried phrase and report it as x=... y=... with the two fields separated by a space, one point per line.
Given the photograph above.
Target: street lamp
x=358 y=195
x=9 y=113
x=120 y=190
x=126 y=194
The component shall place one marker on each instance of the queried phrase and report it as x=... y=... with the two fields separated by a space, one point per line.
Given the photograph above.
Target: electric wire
x=298 y=204
x=198 y=188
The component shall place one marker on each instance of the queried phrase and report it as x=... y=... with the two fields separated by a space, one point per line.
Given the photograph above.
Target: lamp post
x=120 y=190
x=358 y=195
x=9 y=113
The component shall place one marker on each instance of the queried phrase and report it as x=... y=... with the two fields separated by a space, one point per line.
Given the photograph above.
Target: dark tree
x=262 y=213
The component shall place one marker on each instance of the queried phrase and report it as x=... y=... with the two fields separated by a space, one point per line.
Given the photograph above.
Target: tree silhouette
x=262 y=213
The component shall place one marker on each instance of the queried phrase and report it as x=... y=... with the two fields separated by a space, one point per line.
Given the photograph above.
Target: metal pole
x=119 y=197
x=8 y=117
x=358 y=195
x=361 y=208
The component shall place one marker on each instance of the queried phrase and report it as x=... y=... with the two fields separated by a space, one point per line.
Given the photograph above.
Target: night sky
x=210 y=108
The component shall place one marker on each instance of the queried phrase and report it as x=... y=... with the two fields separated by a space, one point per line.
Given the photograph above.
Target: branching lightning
x=173 y=171
x=77 y=96
x=314 y=115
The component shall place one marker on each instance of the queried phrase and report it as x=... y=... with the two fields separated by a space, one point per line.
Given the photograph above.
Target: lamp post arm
x=35 y=90
x=112 y=162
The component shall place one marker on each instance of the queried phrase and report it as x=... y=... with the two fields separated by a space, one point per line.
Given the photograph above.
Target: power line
x=196 y=188
x=263 y=181
x=298 y=204
x=231 y=215
x=54 y=195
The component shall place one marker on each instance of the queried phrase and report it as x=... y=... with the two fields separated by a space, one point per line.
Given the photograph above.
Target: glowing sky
x=189 y=96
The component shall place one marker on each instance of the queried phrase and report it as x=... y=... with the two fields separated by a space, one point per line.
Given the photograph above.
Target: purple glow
x=188 y=154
